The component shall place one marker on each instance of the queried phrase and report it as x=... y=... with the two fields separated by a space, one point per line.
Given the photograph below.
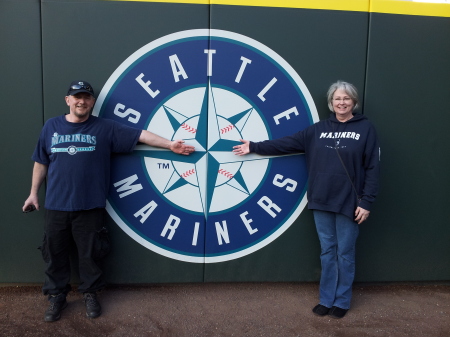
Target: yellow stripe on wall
x=410 y=8
x=406 y=7
x=201 y=2
x=344 y=5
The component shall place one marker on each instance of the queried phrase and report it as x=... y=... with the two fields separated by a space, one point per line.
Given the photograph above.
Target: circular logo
x=210 y=88
x=72 y=150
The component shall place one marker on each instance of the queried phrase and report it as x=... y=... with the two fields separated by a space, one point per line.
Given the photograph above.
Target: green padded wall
x=398 y=62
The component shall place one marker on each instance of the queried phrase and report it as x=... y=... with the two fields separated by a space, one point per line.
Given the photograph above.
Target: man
x=73 y=152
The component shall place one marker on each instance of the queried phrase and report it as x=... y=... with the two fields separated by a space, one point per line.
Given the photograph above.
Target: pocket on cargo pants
x=102 y=244
x=44 y=249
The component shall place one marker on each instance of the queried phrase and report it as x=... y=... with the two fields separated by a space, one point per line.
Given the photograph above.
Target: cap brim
x=74 y=92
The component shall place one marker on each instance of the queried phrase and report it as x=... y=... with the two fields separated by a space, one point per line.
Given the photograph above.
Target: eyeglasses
x=345 y=99
x=78 y=87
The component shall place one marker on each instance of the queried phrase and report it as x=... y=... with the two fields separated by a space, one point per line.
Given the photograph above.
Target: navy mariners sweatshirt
x=329 y=186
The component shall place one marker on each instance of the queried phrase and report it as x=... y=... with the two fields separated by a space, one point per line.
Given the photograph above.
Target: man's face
x=80 y=105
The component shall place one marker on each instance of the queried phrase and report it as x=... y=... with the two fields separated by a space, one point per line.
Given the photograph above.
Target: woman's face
x=342 y=105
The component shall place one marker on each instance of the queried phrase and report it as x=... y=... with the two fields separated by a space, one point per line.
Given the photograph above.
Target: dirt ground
x=232 y=309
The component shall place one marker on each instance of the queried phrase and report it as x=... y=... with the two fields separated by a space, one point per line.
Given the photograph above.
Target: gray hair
x=349 y=90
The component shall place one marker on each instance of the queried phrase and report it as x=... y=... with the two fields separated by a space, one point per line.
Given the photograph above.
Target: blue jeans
x=337 y=235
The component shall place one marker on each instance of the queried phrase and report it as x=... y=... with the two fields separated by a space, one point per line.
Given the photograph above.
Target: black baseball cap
x=80 y=86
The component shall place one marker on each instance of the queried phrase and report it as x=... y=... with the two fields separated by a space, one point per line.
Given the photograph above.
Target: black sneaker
x=320 y=310
x=53 y=313
x=93 y=308
x=337 y=312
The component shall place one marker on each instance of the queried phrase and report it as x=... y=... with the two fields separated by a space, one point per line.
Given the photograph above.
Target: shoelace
x=90 y=300
x=53 y=305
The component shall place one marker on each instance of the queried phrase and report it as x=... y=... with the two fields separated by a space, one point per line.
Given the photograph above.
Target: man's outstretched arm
x=176 y=146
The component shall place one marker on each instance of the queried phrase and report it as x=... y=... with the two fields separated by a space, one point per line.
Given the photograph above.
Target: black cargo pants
x=86 y=229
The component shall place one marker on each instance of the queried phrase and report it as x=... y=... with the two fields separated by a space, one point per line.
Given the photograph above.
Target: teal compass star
x=212 y=179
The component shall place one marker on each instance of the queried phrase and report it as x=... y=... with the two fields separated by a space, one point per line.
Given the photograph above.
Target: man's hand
x=39 y=174
x=361 y=215
x=178 y=146
x=30 y=202
x=243 y=149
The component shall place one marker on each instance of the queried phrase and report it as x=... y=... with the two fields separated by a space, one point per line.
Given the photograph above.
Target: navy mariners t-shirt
x=78 y=157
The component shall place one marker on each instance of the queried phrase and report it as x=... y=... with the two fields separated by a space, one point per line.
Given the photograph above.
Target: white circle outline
x=231 y=36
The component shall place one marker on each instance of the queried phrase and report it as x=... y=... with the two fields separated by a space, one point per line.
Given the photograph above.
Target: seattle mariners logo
x=209 y=88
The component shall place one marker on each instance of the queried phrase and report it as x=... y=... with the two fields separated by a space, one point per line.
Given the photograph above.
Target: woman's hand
x=243 y=149
x=361 y=215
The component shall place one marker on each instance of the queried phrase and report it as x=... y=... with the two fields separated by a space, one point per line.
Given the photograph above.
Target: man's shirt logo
x=75 y=138
x=209 y=88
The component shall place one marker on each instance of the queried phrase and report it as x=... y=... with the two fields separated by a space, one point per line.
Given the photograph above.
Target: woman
x=342 y=156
